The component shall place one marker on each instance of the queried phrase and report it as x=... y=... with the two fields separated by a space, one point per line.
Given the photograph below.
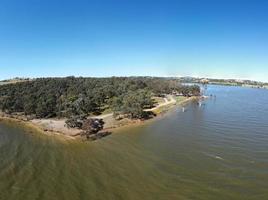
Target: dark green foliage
x=89 y=126
x=75 y=121
x=92 y=126
x=132 y=103
x=192 y=90
x=67 y=97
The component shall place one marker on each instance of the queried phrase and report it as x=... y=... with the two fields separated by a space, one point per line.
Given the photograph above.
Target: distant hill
x=14 y=80
x=231 y=82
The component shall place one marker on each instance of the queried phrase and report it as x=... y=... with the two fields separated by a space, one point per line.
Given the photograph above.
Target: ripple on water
x=218 y=151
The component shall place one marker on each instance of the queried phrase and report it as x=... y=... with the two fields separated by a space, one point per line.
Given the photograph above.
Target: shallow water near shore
x=218 y=150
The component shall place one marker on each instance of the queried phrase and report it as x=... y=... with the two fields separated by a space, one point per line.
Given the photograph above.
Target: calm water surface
x=216 y=151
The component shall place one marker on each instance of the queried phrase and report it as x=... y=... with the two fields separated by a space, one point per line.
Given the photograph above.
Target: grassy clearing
x=106 y=111
x=180 y=99
x=162 y=109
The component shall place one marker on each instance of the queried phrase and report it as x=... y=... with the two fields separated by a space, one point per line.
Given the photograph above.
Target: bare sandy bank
x=37 y=127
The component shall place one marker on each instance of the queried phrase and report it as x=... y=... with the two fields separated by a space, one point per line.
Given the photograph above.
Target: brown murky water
x=216 y=151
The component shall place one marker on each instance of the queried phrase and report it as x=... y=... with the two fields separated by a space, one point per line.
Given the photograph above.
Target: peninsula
x=91 y=107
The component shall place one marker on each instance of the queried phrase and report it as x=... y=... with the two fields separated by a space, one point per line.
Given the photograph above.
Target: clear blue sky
x=216 y=38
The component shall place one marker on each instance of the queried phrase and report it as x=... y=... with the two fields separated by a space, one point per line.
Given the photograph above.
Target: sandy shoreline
x=36 y=127
x=58 y=127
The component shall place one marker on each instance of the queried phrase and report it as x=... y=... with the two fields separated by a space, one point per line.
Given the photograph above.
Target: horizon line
x=120 y=76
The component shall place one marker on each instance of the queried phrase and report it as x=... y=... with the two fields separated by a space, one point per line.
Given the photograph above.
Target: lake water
x=216 y=151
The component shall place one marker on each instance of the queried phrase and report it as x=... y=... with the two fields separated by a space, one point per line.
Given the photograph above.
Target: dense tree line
x=67 y=97
x=132 y=103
